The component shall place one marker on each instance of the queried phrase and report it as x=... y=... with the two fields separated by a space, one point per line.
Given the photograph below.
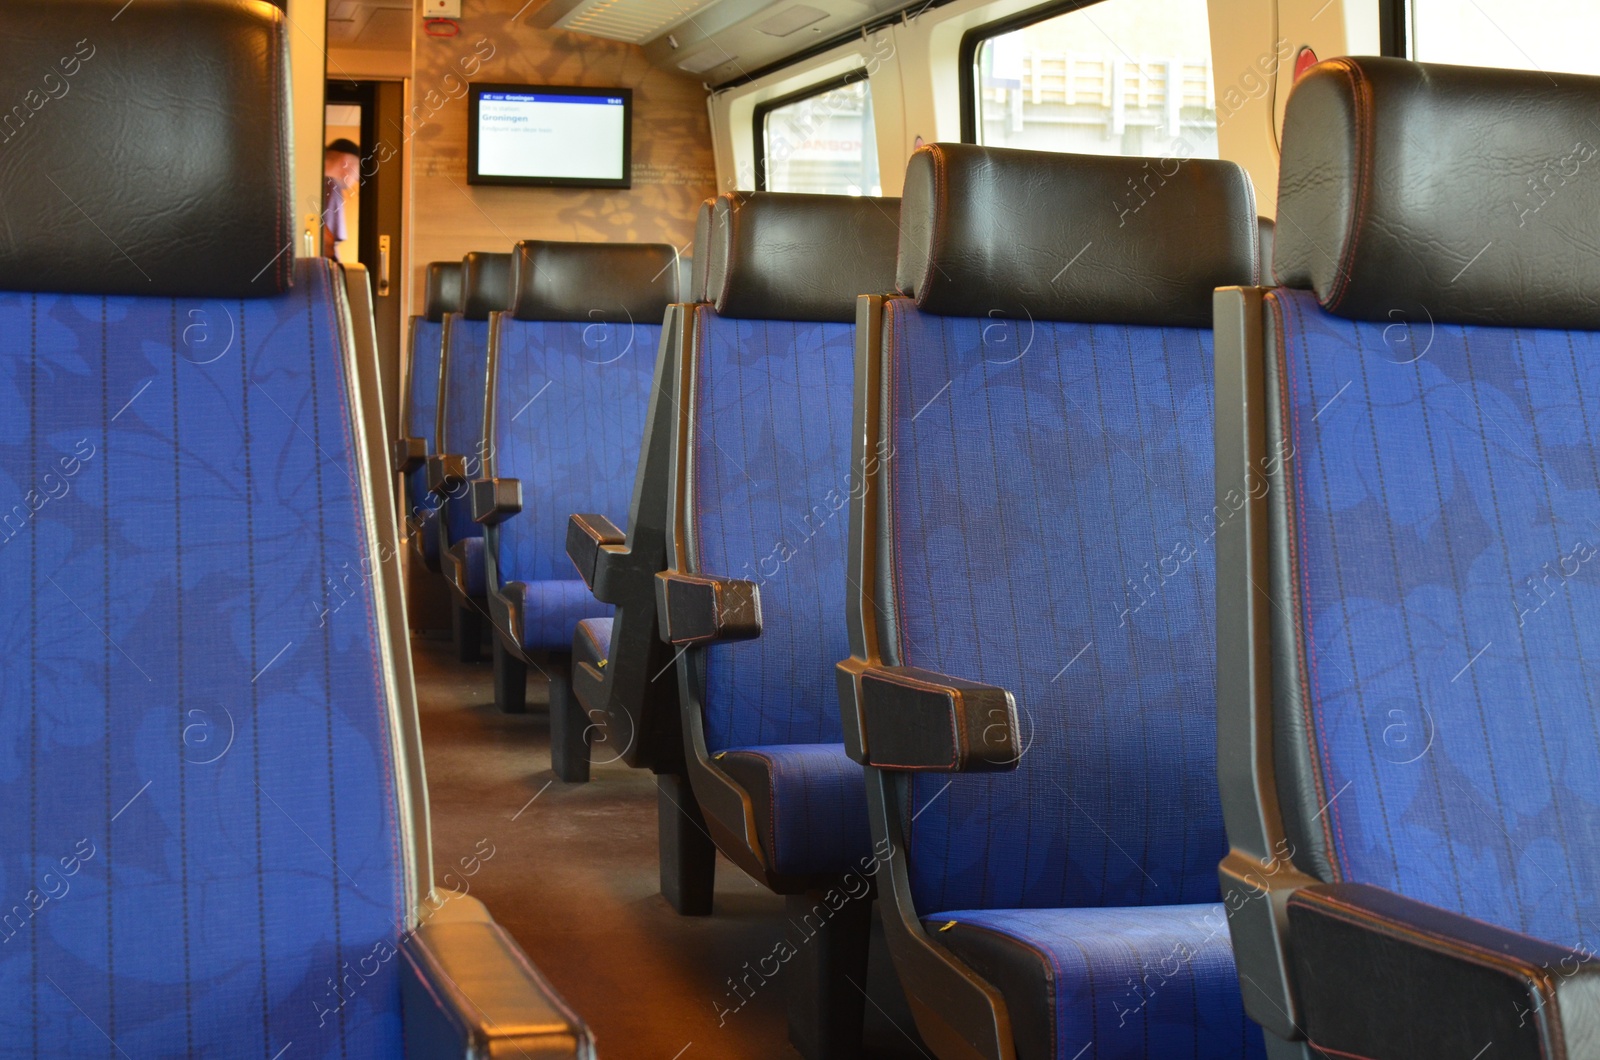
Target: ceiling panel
x=383 y=25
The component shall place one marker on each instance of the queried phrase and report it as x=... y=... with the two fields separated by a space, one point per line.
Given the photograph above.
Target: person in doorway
x=341 y=171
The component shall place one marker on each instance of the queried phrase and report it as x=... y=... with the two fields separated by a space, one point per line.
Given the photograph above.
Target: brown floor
x=571 y=873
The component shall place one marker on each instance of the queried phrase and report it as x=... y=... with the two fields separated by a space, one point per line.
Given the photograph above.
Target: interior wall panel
x=673 y=168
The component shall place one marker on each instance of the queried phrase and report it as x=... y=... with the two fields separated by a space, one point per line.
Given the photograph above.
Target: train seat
x=1031 y=616
x=620 y=568
x=624 y=699
x=570 y=367
x=425 y=340
x=1405 y=428
x=754 y=586
x=487 y=284
x=216 y=839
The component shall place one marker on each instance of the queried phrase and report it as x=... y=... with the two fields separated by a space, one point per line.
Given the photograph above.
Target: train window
x=1501 y=33
x=1119 y=77
x=820 y=140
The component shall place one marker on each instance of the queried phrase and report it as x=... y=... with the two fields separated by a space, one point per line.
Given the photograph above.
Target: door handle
x=383 y=266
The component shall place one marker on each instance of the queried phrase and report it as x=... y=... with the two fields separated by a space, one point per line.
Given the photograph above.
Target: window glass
x=823 y=144
x=1554 y=35
x=1122 y=77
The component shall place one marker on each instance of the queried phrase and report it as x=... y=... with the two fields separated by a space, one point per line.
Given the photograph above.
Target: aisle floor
x=571 y=872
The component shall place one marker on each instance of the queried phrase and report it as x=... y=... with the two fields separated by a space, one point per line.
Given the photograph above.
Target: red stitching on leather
x=687 y=449
x=1336 y=1052
x=1361 y=98
x=888 y=424
x=1308 y=660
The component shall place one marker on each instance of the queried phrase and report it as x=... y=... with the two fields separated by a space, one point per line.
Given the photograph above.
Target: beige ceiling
x=380 y=25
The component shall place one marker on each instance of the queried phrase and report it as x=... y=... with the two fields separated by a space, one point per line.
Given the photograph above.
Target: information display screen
x=550 y=136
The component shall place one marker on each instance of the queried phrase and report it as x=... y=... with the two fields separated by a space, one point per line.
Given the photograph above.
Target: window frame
x=973 y=39
x=759 y=119
x=1394 y=28
x=1394 y=32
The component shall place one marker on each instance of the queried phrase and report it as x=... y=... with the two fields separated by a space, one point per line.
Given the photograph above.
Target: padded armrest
x=1382 y=976
x=468 y=990
x=494 y=500
x=918 y=719
x=589 y=538
x=446 y=472
x=408 y=455
x=700 y=609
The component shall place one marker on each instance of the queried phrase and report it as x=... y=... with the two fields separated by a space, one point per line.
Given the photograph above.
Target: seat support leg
x=510 y=679
x=828 y=976
x=688 y=855
x=467 y=628
x=569 y=724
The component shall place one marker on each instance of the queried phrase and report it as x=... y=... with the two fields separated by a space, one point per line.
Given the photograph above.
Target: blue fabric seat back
x=1048 y=527
x=486 y=286
x=570 y=404
x=770 y=500
x=197 y=756
x=422 y=412
x=1050 y=537
x=464 y=383
x=1446 y=520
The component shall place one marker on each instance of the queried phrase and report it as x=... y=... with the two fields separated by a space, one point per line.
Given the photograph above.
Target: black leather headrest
x=444 y=289
x=616 y=282
x=778 y=256
x=144 y=149
x=702 y=252
x=1471 y=193
x=1066 y=237
x=488 y=284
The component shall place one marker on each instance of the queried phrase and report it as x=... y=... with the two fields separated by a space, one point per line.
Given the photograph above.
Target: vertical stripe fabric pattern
x=1445 y=511
x=771 y=459
x=200 y=853
x=427 y=337
x=570 y=405
x=466 y=370
x=1052 y=523
x=1052 y=498
x=771 y=504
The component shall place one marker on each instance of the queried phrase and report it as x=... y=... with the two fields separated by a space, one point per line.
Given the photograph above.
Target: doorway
x=374 y=211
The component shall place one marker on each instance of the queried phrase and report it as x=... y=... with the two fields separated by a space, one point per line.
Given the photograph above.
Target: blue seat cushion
x=465 y=569
x=810 y=803
x=596 y=633
x=1110 y=984
x=551 y=611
